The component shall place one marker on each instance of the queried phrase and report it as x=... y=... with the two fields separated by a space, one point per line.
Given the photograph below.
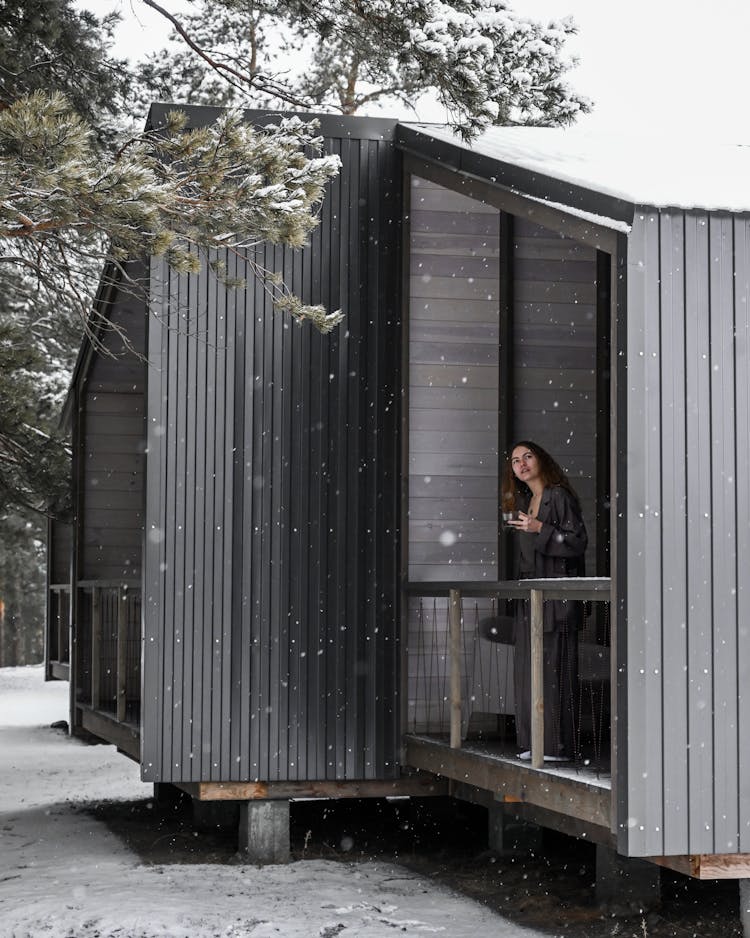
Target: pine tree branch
x=235 y=77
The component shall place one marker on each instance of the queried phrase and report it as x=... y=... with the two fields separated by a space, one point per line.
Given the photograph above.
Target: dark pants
x=560 y=681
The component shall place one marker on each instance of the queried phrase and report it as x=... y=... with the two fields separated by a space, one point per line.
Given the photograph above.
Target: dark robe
x=557 y=551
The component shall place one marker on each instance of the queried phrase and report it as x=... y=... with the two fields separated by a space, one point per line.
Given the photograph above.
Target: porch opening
x=508 y=339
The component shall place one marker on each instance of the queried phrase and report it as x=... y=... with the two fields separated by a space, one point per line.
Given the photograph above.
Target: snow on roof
x=679 y=173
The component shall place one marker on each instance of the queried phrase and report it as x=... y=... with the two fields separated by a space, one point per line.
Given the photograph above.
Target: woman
x=551 y=543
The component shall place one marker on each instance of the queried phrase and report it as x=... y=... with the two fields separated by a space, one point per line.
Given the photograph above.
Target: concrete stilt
x=508 y=834
x=264 y=831
x=744 y=885
x=624 y=885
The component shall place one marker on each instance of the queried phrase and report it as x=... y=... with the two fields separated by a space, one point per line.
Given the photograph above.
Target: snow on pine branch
x=172 y=191
x=488 y=64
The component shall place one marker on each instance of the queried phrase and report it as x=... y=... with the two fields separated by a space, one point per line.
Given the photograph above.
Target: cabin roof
x=620 y=171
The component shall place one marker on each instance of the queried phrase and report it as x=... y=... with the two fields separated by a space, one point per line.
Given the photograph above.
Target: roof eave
x=546 y=188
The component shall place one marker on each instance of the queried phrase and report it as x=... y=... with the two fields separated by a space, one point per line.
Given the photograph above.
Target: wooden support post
x=60 y=623
x=56 y=599
x=96 y=641
x=509 y=834
x=537 y=678
x=454 y=620
x=264 y=831
x=122 y=637
x=744 y=885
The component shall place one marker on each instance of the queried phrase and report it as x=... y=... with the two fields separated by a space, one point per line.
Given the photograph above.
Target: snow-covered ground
x=64 y=875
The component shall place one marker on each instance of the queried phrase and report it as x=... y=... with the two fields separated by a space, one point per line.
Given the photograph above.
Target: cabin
x=283 y=543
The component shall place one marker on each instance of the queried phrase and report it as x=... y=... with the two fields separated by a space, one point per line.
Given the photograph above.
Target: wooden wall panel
x=111 y=466
x=554 y=356
x=454 y=381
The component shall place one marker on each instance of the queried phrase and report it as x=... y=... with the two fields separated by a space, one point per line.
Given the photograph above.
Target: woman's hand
x=526 y=523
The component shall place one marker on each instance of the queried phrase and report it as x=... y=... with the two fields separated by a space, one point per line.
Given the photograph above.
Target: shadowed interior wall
x=272 y=530
x=554 y=379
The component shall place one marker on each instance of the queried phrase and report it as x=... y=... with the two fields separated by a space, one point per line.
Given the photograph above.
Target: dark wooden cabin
x=273 y=527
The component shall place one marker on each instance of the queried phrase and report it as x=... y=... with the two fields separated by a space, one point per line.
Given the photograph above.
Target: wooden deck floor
x=576 y=798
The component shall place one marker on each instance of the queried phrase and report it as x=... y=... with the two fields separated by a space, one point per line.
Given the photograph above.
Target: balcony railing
x=448 y=676
x=58 y=630
x=109 y=648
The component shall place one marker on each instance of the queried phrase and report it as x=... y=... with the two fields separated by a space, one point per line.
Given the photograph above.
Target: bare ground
x=550 y=890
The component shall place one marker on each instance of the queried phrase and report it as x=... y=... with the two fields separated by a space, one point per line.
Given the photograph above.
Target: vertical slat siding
x=644 y=666
x=193 y=521
x=169 y=527
x=277 y=601
x=244 y=377
x=298 y=476
x=177 y=529
x=337 y=448
x=674 y=519
x=724 y=521
x=651 y=820
x=208 y=614
x=153 y=554
x=277 y=431
x=202 y=495
x=699 y=545
x=317 y=527
x=227 y=524
x=688 y=439
x=351 y=607
x=254 y=498
x=742 y=415
x=288 y=633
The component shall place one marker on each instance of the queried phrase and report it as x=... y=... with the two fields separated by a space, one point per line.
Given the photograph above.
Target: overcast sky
x=650 y=66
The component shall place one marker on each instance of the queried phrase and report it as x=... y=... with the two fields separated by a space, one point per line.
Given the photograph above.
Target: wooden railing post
x=537 y=678
x=58 y=594
x=122 y=637
x=454 y=616
x=96 y=641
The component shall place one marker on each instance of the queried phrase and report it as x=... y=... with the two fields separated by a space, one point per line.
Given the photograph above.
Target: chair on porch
x=489 y=674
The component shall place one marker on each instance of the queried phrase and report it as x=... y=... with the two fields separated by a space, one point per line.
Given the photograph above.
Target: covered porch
x=459 y=708
x=510 y=315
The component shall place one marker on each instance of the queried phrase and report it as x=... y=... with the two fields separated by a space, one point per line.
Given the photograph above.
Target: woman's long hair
x=551 y=472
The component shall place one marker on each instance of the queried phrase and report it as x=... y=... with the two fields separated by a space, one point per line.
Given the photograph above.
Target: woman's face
x=524 y=464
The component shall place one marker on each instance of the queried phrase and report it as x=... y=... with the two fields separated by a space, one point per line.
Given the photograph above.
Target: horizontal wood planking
x=111 y=461
x=59 y=551
x=555 y=355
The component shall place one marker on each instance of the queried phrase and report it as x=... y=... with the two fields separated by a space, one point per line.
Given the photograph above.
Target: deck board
x=574 y=791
